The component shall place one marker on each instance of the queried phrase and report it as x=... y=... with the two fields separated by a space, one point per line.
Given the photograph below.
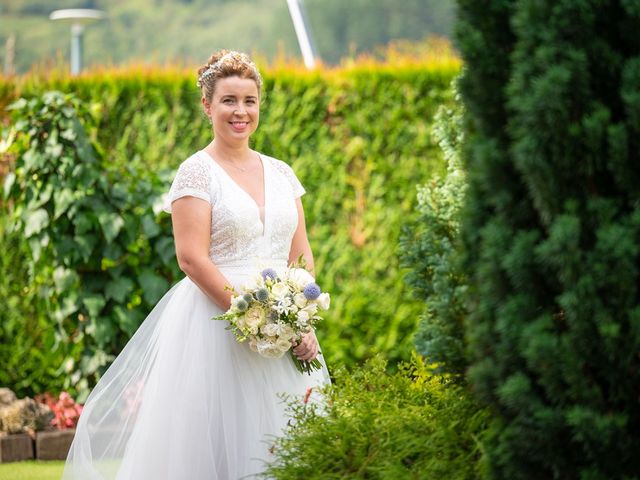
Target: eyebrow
x=230 y=95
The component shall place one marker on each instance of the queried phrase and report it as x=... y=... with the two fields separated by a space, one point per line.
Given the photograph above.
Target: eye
x=227 y=100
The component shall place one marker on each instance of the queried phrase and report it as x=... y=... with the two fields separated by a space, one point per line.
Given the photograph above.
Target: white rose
x=324 y=301
x=311 y=309
x=303 y=316
x=283 y=345
x=254 y=318
x=300 y=277
x=270 y=329
x=268 y=347
x=280 y=289
x=300 y=300
x=253 y=344
x=240 y=322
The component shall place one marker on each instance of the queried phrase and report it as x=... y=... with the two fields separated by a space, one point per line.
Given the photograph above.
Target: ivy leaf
x=62 y=199
x=64 y=278
x=165 y=249
x=111 y=224
x=150 y=227
x=128 y=320
x=90 y=363
x=8 y=183
x=94 y=304
x=85 y=245
x=153 y=286
x=118 y=289
x=35 y=222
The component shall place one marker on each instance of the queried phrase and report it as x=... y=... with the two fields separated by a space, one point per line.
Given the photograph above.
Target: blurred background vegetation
x=187 y=31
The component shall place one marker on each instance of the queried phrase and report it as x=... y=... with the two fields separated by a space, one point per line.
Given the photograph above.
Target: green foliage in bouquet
x=357 y=138
x=429 y=248
x=95 y=255
x=411 y=424
x=552 y=233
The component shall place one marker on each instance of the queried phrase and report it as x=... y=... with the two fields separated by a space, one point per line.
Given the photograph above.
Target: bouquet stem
x=305 y=366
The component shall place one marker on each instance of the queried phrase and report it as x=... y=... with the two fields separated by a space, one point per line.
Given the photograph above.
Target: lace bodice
x=238 y=235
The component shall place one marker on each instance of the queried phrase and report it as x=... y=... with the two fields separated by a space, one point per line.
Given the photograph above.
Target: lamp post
x=78 y=17
x=303 y=33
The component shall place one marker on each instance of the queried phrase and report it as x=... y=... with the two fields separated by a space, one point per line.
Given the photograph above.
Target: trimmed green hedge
x=359 y=140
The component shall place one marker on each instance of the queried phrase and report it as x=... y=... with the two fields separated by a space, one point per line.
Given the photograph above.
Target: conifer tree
x=551 y=231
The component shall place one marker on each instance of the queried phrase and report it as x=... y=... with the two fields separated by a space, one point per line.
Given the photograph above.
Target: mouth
x=239 y=126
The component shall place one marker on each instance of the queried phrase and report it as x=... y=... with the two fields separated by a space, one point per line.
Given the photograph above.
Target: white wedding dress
x=184 y=400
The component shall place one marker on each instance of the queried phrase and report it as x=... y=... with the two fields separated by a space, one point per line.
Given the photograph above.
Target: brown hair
x=223 y=64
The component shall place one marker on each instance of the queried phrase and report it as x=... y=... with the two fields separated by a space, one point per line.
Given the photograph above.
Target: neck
x=237 y=153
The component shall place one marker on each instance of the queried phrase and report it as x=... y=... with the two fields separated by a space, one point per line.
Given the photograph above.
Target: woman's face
x=234 y=109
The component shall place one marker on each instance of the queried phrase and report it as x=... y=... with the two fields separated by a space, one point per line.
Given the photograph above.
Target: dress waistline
x=256 y=265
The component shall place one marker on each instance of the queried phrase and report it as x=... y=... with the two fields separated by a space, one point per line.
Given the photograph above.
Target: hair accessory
x=218 y=65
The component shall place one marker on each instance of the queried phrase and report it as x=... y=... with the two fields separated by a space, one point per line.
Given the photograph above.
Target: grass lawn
x=31 y=470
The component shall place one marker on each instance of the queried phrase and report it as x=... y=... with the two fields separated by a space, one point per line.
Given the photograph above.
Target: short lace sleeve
x=287 y=171
x=193 y=179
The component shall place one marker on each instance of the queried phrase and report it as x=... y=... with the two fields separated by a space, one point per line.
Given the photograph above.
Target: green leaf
x=165 y=250
x=85 y=245
x=92 y=362
x=35 y=221
x=128 y=320
x=118 y=289
x=94 y=304
x=62 y=199
x=8 y=183
x=19 y=104
x=150 y=227
x=111 y=224
x=153 y=286
x=64 y=278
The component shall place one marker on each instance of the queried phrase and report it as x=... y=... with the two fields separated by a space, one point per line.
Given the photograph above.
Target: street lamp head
x=77 y=15
x=78 y=18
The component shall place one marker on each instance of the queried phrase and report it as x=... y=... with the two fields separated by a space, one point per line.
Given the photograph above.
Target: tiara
x=214 y=67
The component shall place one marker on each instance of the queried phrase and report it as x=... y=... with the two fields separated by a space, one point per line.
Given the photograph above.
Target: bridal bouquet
x=273 y=313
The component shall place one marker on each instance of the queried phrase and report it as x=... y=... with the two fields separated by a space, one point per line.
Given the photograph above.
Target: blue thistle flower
x=312 y=291
x=262 y=294
x=248 y=298
x=241 y=304
x=269 y=273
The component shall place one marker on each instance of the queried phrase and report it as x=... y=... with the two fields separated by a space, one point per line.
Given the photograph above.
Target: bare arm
x=308 y=348
x=191 y=218
x=300 y=242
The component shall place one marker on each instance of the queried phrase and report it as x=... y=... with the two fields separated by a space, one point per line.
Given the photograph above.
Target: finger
x=301 y=353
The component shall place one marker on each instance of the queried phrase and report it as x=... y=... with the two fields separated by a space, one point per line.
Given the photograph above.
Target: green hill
x=187 y=31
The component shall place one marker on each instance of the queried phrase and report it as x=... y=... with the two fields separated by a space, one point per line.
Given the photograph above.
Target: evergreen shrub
x=373 y=425
x=429 y=247
x=552 y=233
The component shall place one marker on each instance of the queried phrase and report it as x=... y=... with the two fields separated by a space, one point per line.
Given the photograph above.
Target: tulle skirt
x=184 y=400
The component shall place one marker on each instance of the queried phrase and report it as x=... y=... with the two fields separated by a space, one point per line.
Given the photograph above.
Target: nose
x=240 y=109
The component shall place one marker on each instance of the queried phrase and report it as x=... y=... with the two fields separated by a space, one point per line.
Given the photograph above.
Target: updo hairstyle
x=223 y=64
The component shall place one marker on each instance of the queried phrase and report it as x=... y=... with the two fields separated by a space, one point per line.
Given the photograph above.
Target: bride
x=184 y=400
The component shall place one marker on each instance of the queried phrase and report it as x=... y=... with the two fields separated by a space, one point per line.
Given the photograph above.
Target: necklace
x=235 y=165
x=242 y=169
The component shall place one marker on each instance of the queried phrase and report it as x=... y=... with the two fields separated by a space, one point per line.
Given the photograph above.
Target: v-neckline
x=263 y=221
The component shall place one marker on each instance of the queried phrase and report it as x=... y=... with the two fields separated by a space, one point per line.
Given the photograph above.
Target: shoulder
x=287 y=173
x=195 y=163
x=280 y=166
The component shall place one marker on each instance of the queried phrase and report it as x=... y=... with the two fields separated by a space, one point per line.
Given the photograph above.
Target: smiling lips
x=239 y=126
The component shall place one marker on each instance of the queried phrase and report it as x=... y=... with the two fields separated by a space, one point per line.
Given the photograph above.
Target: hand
x=308 y=347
